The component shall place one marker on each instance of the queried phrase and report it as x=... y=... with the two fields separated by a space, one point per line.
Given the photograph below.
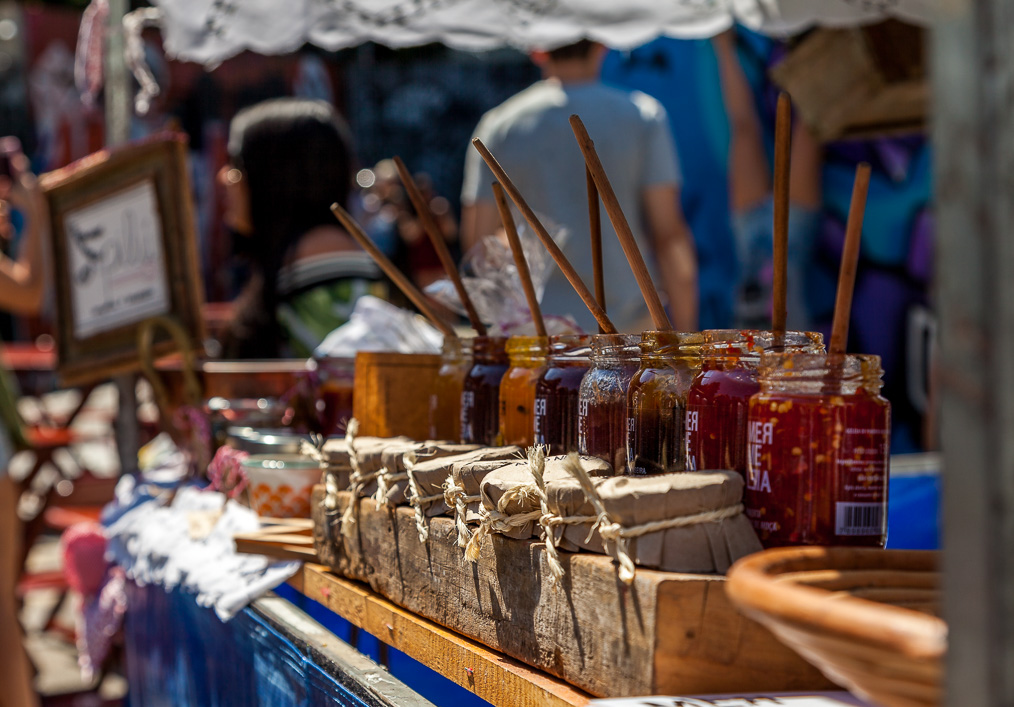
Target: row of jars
x=808 y=430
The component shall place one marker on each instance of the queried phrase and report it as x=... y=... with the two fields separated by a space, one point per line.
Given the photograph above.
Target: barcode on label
x=859 y=518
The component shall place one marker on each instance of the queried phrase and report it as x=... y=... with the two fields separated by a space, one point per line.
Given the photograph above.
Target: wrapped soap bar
x=510 y=495
x=392 y=479
x=678 y=522
x=427 y=480
x=430 y=476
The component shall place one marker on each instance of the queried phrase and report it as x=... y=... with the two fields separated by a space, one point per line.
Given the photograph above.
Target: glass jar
x=557 y=390
x=334 y=394
x=527 y=356
x=480 y=394
x=602 y=400
x=445 y=402
x=656 y=399
x=819 y=436
x=718 y=397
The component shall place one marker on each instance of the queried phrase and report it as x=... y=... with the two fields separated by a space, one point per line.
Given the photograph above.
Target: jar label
x=467 y=413
x=817 y=469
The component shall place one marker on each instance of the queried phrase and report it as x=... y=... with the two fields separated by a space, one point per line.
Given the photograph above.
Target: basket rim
x=914 y=634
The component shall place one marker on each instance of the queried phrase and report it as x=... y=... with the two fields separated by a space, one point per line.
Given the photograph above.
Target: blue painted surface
x=427 y=682
x=179 y=653
x=913 y=513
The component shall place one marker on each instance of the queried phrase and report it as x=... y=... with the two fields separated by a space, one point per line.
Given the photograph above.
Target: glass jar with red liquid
x=718 y=397
x=527 y=356
x=817 y=463
x=656 y=399
x=557 y=390
x=445 y=402
x=334 y=394
x=480 y=393
x=602 y=400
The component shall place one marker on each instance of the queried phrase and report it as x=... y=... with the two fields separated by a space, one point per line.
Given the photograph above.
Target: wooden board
x=490 y=675
x=282 y=538
x=666 y=633
x=391 y=394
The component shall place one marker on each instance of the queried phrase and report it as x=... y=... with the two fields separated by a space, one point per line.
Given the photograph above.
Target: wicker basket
x=868 y=619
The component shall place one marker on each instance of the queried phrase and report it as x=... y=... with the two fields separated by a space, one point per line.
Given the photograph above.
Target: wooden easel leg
x=15 y=670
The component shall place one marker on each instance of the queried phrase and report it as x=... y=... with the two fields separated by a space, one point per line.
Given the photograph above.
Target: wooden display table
x=492 y=676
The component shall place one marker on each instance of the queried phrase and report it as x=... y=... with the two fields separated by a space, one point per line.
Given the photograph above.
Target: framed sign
x=124 y=251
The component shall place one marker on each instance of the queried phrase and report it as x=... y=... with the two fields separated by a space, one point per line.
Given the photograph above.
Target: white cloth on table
x=152 y=542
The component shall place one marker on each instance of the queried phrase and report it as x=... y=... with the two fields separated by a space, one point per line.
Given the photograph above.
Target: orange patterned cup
x=280 y=484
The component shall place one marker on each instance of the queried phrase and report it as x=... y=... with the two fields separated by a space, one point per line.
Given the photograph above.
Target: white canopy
x=209 y=31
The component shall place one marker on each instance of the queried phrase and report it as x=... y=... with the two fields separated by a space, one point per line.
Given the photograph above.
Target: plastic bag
x=376 y=325
x=491 y=279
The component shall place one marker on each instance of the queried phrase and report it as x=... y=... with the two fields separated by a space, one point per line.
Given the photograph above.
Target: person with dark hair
x=290 y=159
x=530 y=135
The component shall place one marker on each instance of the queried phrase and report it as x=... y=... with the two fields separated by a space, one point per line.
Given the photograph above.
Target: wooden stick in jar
x=429 y=225
x=849 y=261
x=391 y=270
x=547 y=240
x=783 y=143
x=658 y=316
x=595 y=230
x=519 y=259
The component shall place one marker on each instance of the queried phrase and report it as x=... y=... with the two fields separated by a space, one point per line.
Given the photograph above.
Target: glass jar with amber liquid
x=527 y=355
x=445 y=402
x=656 y=399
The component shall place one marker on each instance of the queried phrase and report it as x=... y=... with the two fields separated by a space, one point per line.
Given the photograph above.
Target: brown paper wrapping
x=517 y=475
x=393 y=466
x=432 y=474
x=336 y=455
x=632 y=501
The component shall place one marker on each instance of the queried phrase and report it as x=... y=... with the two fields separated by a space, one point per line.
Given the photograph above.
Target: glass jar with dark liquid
x=656 y=399
x=527 y=356
x=602 y=400
x=557 y=391
x=480 y=394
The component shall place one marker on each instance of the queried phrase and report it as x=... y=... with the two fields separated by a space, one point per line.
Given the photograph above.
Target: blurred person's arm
x=22 y=280
x=674 y=251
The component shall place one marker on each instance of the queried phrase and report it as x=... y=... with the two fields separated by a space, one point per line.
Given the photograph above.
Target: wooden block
x=490 y=675
x=280 y=539
x=667 y=633
x=392 y=393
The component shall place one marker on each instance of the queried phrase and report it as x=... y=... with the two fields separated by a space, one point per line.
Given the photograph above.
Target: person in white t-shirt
x=531 y=137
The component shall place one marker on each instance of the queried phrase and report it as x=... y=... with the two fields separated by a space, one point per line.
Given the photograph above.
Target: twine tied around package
x=457 y=501
x=547 y=520
x=384 y=480
x=313 y=449
x=415 y=498
x=616 y=536
x=356 y=479
x=497 y=519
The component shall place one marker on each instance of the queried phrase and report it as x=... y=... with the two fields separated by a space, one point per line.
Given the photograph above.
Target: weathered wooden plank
x=665 y=633
x=973 y=94
x=490 y=675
